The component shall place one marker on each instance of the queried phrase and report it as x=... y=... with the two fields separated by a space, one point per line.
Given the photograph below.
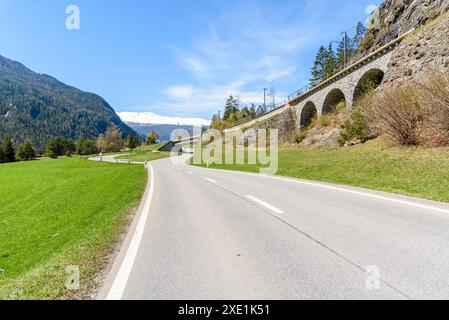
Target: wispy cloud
x=241 y=52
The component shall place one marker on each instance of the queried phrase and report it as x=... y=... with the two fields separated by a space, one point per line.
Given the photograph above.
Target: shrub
x=416 y=113
x=355 y=126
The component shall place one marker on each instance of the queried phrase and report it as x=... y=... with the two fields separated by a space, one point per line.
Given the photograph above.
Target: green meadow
x=60 y=213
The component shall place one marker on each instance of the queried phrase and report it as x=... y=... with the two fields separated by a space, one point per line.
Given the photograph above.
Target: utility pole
x=345 y=49
x=265 y=97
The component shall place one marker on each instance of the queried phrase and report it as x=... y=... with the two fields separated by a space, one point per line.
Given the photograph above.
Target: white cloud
x=180 y=92
x=239 y=54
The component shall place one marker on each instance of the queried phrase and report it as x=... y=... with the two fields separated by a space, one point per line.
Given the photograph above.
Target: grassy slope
x=416 y=172
x=143 y=154
x=57 y=213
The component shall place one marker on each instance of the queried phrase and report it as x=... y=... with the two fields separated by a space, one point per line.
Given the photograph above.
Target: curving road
x=208 y=234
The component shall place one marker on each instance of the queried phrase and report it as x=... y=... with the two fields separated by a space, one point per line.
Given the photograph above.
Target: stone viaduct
x=345 y=86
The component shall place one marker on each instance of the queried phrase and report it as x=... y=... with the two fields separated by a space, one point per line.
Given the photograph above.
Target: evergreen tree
x=231 y=107
x=341 y=52
x=358 y=37
x=261 y=110
x=85 y=147
x=253 y=111
x=330 y=65
x=26 y=151
x=152 y=138
x=132 y=142
x=59 y=147
x=318 y=69
x=1 y=154
x=9 y=154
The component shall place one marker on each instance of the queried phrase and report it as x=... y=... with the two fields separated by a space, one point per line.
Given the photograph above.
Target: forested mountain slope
x=39 y=107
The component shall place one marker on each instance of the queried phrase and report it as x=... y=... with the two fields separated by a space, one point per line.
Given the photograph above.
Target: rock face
x=427 y=50
x=398 y=17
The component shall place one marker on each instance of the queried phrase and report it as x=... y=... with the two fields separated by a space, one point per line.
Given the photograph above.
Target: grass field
x=59 y=213
x=375 y=165
x=142 y=154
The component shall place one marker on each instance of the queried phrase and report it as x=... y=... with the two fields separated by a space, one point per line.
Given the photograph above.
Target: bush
x=356 y=125
x=416 y=113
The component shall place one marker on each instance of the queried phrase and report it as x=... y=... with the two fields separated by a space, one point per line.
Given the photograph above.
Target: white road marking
x=342 y=189
x=190 y=172
x=121 y=280
x=379 y=197
x=211 y=180
x=266 y=205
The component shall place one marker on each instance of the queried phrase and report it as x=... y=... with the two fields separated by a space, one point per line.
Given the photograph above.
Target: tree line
x=234 y=114
x=110 y=141
x=329 y=61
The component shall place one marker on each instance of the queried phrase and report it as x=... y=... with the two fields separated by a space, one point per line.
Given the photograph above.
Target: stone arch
x=370 y=80
x=333 y=98
x=308 y=114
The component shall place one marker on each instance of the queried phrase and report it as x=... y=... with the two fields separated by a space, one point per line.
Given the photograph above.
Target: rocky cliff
x=397 y=17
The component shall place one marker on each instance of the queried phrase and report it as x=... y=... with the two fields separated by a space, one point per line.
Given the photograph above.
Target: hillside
x=39 y=107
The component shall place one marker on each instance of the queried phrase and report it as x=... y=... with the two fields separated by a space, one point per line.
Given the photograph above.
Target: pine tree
x=261 y=110
x=330 y=65
x=358 y=37
x=1 y=154
x=253 y=111
x=318 y=69
x=132 y=142
x=231 y=107
x=9 y=154
x=26 y=151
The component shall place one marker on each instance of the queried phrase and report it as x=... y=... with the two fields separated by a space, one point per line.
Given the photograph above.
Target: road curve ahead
x=225 y=235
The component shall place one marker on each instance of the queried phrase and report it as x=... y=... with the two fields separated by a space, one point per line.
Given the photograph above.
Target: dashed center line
x=190 y=172
x=266 y=205
x=211 y=180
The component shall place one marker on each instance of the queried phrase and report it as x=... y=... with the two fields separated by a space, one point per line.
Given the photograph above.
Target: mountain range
x=146 y=122
x=39 y=107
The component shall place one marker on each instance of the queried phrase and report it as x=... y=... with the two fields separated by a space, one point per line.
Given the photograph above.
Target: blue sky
x=176 y=58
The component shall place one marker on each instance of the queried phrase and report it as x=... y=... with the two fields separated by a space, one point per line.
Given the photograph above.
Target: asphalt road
x=223 y=235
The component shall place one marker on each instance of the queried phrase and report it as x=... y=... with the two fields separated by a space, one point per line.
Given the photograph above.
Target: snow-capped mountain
x=152 y=118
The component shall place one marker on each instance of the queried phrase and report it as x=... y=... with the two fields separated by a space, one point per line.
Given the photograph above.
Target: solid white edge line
x=266 y=205
x=118 y=287
x=404 y=202
x=341 y=189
